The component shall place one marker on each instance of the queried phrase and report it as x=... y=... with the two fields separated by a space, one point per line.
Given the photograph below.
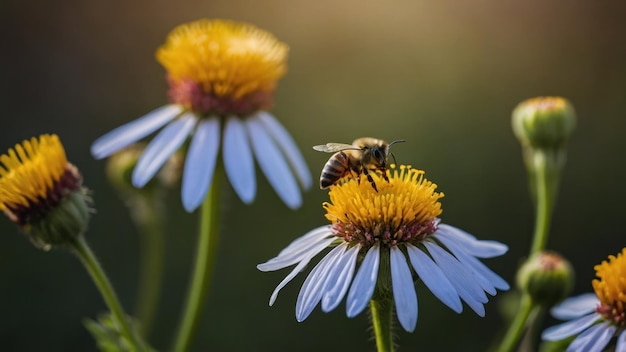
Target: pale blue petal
x=403 y=290
x=162 y=147
x=273 y=164
x=315 y=284
x=341 y=279
x=592 y=340
x=480 y=269
x=459 y=277
x=200 y=163
x=571 y=328
x=474 y=247
x=305 y=240
x=238 y=161
x=288 y=147
x=301 y=265
x=434 y=278
x=621 y=342
x=129 y=133
x=364 y=283
x=287 y=259
x=576 y=306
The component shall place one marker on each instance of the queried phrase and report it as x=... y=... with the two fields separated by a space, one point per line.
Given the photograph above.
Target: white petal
x=459 y=277
x=273 y=164
x=294 y=257
x=403 y=290
x=364 y=283
x=480 y=249
x=341 y=279
x=129 y=133
x=575 y=307
x=161 y=148
x=434 y=278
x=200 y=163
x=571 y=328
x=295 y=272
x=315 y=284
x=493 y=279
x=238 y=162
x=621 y=342
x=593 y=339
x=289 y=148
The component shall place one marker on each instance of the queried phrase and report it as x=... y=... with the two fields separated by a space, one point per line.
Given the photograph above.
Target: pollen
x=216 y=64
x=29 y=171
x=610 y=287
x=405 y=209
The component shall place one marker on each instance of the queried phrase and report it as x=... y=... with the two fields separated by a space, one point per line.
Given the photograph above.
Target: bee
x=362 y=156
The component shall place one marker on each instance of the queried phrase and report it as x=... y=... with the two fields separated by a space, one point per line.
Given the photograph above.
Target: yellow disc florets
x=219 y=66
x=30 y=170
x=405 y=209
x=610 y=287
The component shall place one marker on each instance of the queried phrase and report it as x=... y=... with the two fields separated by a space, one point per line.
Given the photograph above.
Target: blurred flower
x=384 y=231
x=595 y=318
x=42 y=192
x=222 y=75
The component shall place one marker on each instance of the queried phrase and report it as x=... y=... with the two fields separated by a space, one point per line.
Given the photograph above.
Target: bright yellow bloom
x=404 y=209
x=228 y=61
x=610 y=287
x=42 y=192
x=30 y=170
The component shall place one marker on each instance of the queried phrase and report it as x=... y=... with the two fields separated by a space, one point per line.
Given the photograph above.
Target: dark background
x=444 y=75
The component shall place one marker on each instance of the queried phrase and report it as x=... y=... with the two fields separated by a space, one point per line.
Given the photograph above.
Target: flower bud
x=546 y=277
x=121 y=164
x=544 y=122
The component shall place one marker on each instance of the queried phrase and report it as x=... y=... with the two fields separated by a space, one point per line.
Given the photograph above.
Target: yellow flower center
x=227 y=61
x=610 y=287
x=30 y=170
x=405 y=209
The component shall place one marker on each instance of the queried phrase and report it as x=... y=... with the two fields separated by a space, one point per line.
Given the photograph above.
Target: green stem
x=517 y=327
x=90 y=262
x=544 y=186
x=203 y=270
x=148 y=217
x=381 y=320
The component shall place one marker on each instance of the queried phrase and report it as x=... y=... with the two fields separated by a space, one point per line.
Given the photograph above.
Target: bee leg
x=384 y=172
x=369 y=178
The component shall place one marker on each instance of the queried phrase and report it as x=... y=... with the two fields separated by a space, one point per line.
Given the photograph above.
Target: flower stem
x=203 y=270
x=546 y=179
x=517 y=327
x=147 y=213
x=90 y=262
x=381 y=320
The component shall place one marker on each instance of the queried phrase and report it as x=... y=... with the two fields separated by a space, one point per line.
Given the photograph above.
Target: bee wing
x=334 y=147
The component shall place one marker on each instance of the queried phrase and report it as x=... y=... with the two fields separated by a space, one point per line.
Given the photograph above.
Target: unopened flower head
x=597 y=318
x=222 y=77
x=546 y=277
x=42 y=192
x=376 y=238
x=544 y=122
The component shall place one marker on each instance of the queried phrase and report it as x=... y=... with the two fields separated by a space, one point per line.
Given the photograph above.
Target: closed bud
x=544 y=122
x=546 y=277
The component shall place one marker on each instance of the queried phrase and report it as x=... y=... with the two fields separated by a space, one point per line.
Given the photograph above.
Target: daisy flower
x=42 y=192
x=222 y=76
x=597 y=318
x=380 y=243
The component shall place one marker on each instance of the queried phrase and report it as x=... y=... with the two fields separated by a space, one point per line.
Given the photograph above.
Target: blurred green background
x=444 y=75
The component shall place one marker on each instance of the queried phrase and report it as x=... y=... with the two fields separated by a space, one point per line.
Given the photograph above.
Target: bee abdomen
x=336 y=167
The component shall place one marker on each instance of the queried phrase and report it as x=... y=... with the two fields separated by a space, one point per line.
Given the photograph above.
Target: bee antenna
x=394 y=158
x=396 y=141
